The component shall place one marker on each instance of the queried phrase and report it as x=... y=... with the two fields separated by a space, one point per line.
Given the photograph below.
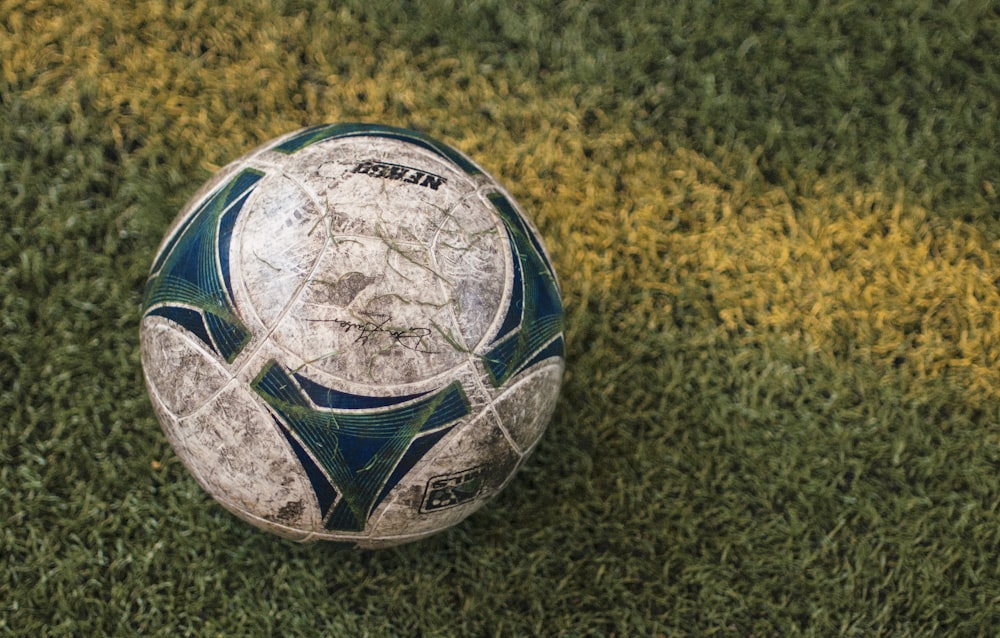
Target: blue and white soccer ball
x=352 y=333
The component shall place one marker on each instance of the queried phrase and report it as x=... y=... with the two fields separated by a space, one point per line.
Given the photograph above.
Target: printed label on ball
x=449 y=490
x=399 y=173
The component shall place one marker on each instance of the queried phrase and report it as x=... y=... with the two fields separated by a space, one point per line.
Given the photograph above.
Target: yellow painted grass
x=656 y=234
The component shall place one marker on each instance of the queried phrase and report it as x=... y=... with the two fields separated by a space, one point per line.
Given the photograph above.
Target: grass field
x=777 y=230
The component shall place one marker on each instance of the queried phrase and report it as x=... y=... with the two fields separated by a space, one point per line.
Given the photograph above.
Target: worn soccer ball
x=352 y=333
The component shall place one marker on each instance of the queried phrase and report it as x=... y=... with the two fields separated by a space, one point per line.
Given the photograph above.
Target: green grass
x=776 y=230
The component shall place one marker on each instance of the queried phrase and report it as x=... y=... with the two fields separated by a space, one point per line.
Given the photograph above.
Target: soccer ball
x=352 y=333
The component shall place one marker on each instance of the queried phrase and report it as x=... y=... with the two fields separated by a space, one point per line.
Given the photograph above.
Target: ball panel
x=525 y=407
x=470 y=257
x=281 y=237
x=166 y=419
x=238 y=454
x=182 y=371
x=378 y=317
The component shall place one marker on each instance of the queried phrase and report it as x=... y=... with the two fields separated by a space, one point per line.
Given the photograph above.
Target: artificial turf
x=776 y=228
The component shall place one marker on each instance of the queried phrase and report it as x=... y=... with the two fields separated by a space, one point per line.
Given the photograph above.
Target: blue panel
x=538 y=313
x=190 y=320
x=229 y=334
x=169 y=247
x=420 y=446
x=326 y=494
x=344 y=518
x=359 y=450
x=193 y=268
x=325 y=397
x=555 y=349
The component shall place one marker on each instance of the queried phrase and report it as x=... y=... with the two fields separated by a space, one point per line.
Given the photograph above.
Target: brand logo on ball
x=377 y=459
x=399 y=173
x=450 y=490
